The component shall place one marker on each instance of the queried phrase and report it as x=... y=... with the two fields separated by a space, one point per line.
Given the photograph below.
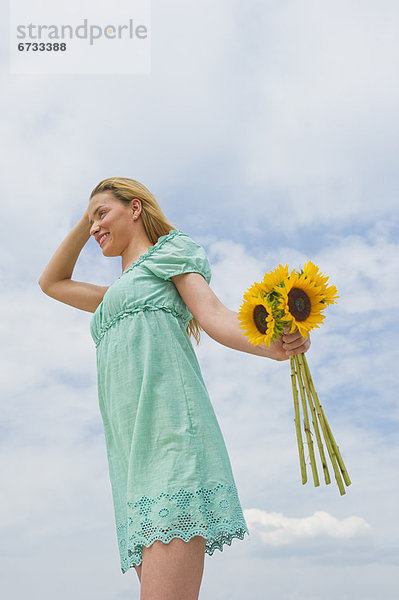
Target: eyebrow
x=95 y=212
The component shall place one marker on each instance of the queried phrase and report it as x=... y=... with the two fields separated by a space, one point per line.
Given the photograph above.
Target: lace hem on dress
x=213 y=513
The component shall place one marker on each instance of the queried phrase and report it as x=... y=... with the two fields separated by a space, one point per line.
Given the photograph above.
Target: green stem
x=333 y=442
x=322 y=420
x=306 y=423
x=297 y=421
x=323 y=459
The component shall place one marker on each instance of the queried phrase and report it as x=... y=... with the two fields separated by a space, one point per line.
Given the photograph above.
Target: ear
x=135 y=206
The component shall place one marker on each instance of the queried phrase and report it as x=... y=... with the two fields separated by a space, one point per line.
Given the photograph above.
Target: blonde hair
x=154 y=221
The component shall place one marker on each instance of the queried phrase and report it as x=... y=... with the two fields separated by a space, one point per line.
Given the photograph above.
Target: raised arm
x=56 y=281
x=222 y=324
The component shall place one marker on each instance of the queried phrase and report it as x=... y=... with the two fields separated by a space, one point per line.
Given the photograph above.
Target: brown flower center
x=299 y=304
x=260 y=315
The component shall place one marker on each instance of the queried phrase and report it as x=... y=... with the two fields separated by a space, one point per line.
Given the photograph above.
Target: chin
x=109 y=253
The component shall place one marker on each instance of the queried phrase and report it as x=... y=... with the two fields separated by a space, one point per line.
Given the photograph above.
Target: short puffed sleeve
x=177 y=254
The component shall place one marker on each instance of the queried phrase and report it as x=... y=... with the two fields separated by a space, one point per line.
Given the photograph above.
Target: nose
x=93 y=228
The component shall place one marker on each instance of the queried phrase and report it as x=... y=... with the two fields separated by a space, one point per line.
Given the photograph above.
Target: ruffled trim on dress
x=130 y=311
x=212 y=513
x=161 y=240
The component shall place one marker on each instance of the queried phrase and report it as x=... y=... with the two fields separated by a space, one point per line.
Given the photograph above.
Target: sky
x=269 y=133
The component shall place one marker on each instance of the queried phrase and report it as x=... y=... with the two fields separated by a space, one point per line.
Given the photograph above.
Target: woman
x=173 y=489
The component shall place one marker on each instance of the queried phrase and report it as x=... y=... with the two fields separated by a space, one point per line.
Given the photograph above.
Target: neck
x=138 y=245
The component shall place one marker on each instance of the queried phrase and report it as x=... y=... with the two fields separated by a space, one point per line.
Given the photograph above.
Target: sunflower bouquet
x=297 y=300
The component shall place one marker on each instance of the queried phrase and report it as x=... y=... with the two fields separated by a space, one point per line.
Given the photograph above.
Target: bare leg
x=138 y=571
x=173 y=571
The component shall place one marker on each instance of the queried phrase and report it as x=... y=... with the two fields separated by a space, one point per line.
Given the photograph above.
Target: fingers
x=294 y=343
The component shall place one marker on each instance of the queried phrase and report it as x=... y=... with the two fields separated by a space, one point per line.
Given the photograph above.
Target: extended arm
x=222 y=324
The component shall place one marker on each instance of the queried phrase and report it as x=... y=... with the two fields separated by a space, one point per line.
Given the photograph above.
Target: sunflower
x=269 y=283
x=302 y=302
x=256 y=317
x=329 y=292
x=256 y=289
x=274 y=278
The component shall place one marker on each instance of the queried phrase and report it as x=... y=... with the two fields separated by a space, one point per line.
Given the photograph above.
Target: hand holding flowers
x=290 y=344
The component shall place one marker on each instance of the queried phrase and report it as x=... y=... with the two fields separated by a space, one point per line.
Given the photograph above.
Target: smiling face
x=112 y=223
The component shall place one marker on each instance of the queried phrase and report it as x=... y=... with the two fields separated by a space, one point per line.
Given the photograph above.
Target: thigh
x=138 y=571
x=173 y=571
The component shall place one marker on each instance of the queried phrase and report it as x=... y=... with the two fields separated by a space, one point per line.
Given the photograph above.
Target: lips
x=101 y=238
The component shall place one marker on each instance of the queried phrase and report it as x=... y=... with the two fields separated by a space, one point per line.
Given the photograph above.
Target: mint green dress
x=170 y=473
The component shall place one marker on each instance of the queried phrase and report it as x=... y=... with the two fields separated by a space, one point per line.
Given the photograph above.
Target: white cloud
x=277 y=529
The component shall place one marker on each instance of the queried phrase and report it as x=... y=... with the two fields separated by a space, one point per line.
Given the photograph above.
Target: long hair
x=154 y=221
